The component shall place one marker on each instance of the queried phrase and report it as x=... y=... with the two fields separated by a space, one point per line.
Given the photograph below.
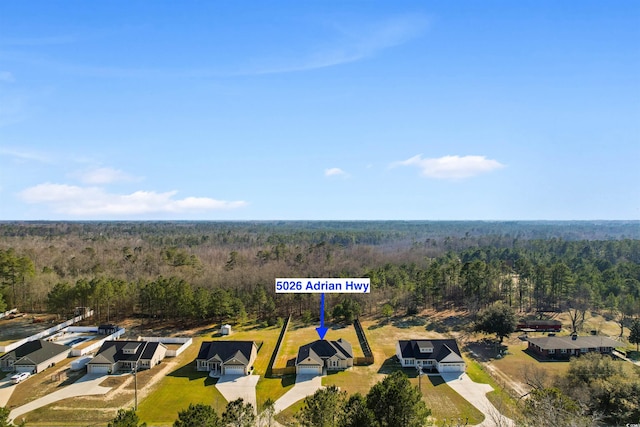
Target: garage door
x=24 y=368
x=309 y=370
x=98 y=369
x=234 y=370
x=451 y=367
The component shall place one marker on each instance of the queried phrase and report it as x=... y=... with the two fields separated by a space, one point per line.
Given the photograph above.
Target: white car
x=20 y=377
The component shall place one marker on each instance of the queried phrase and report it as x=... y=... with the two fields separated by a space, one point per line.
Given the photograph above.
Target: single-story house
x=554 y=347
x=319 y=355
x=227 y=357
x=115 y=356
x=440 y=354
x=34 y=356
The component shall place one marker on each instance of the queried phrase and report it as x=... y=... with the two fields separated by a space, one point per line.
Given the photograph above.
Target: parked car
x=19 y=377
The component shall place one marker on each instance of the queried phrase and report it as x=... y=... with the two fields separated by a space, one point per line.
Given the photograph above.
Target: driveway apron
x=476 y=394
x=85 y=386
x=233 y=387
x=305 y=386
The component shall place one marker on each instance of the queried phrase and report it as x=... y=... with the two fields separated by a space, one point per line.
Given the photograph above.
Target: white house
x=319 y=355
x=227 y=357
x=124 y=355
x=442 y=355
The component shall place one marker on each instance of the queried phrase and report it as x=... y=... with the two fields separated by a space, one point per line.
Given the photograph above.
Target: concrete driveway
x=476 y=394
x=232 y=387
x=305 y=386
x=6 y=390
x=85 y=386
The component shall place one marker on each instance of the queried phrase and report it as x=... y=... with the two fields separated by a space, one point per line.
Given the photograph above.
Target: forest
x=224 y=271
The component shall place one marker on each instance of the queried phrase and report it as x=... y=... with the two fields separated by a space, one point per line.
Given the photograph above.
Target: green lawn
x=273 y=388
x=175 y=392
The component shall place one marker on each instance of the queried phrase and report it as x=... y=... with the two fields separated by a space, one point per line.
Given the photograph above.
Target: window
x=552 y=351
x=583 y=350
x=564 y=350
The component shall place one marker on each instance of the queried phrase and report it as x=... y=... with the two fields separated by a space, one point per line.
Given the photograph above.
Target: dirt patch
x=135 y=327
x=24 y=326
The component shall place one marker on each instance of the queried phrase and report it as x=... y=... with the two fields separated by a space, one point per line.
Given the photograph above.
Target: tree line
x=224 y=270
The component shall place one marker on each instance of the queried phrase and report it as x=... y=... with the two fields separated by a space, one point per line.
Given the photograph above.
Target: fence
x=279 y=371
x=50 y=331
x=364 y=343
x=96 y=345
x=185 y=342
x=362 y=361
x=6 y=313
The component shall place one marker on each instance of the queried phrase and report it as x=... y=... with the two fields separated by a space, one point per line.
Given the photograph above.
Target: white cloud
x=22 y=155
x=95 y=202
x=355 y=42
x=105 y=176
x=451 y=167
x=334 y=172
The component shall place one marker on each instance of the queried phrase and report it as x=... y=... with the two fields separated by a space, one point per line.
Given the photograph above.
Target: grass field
x=177 y=390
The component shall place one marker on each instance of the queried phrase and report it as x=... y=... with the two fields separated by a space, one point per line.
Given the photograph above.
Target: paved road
x=476 y=394
x=232 y=387
x=85 y=386
x=6 y=390
x=305 y=386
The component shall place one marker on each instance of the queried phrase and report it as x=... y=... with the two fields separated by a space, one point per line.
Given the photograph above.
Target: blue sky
x=319 y=110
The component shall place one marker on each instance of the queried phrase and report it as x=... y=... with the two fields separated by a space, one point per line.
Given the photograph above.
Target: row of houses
x=229 y=357
x=316 y=358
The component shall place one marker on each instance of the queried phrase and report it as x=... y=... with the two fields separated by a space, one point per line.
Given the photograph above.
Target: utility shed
x=225 y=330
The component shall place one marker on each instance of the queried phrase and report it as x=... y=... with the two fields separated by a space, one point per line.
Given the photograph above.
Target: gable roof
x=442 y=350
x=321 y=350
x=567 y=342
x=226 y=351
x=35 y=352
x=112 y=351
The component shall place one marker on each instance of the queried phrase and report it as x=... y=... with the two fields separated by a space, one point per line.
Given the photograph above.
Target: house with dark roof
x=563 y=348
x=115 y=356
x=442 y=355
x=34 y=356
x=321 y=355
x=227 y=357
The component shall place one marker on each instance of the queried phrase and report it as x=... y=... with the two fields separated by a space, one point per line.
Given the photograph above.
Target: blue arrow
x=322 y=331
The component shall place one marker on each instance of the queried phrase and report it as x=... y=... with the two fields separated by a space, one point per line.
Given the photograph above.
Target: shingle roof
x=441 y=348
x=567 y=342
x=36 y=352
x=226 y=350
x=323 y=349
x=111 y=351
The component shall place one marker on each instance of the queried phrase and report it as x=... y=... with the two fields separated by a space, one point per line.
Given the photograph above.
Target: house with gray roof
x=321 y=355
x=34 y=356
x=227 y=357
x=563 y=348
x=442 y=355
x=124 y=356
